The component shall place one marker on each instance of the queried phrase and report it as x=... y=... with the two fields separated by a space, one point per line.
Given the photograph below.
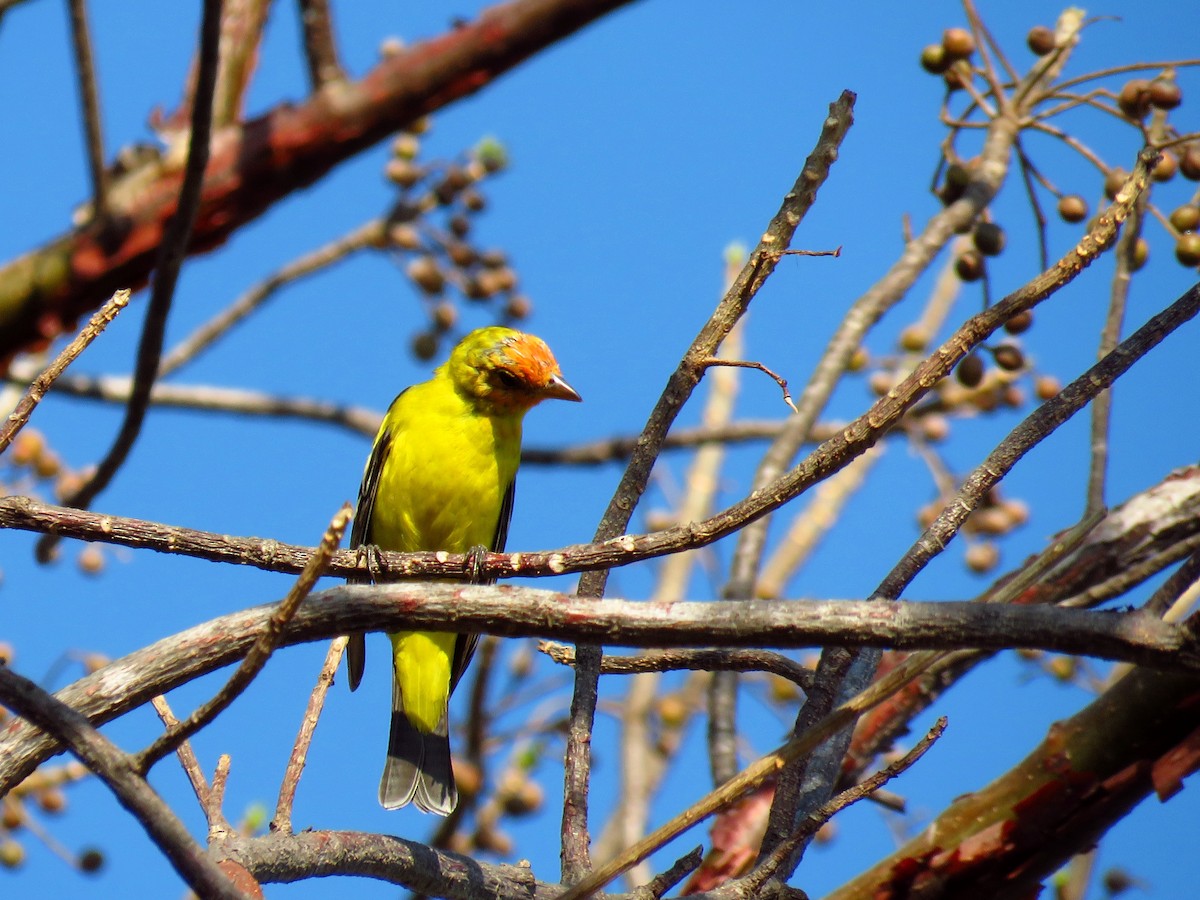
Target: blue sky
x=640 y=149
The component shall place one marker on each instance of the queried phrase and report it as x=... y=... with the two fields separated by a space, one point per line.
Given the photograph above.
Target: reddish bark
x=258 y=163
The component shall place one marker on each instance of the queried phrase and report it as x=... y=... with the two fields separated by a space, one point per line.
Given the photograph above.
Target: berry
x=989 y=238
x=1186 y=218
x=1165 y=94
x=957 y=43
x=933 y=59
x=1187 y=249
x=1134 y=98
x=1073 y=208
x=970 y=370
x=969 y=265
x=1020 y=323
x=1040 y=40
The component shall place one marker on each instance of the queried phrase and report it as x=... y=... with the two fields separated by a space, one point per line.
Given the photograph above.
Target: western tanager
x=441 y=477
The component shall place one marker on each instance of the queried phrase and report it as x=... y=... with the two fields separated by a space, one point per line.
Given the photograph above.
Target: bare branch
x=115 y=769
x=696 y=660
x=169 y=261
x=263 y=647
x=42 y=383
x=320 y=48
x=89 y=100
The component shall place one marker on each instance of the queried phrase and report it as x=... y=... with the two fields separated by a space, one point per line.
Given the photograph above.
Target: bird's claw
x=474 y=562
x=372 y=556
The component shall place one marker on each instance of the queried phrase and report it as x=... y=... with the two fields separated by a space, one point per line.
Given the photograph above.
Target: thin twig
x=41 y=384
x=747 y=364
x=89 y=99
x=369 y=234
x=263 y=647
x=170 y=258
x=116 y=770
x=682 y=382
x=714 y=660
x=187 y=756
x=282 y=819
x=814 y=820
x=320 y=48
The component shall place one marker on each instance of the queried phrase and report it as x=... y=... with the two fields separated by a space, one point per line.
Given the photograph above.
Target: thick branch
x=1088 y=773
x=524 y=612
x=257 y=164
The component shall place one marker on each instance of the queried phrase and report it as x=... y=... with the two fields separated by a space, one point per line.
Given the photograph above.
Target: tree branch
x=259 y=163
x=43 y=712
x=524 y=612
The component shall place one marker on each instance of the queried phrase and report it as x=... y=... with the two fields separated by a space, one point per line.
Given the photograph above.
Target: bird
x=441 y=476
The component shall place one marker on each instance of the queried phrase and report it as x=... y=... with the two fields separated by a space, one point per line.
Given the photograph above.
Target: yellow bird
x=441 y=477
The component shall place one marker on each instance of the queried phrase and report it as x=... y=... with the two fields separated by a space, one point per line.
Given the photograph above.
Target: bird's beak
x=558 y=389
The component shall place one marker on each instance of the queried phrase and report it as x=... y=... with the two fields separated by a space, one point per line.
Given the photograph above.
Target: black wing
x=360 y=536
x=464 y=647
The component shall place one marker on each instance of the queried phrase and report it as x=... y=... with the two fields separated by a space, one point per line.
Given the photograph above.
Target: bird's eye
x=508 y=379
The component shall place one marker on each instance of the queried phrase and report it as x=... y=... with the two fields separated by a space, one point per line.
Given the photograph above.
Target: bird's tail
x=418 y=765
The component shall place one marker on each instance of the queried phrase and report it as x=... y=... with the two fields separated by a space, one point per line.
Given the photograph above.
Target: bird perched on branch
x=440 y=477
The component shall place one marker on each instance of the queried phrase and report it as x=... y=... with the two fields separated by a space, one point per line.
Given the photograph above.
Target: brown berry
x=858 y=360
x=1165 y=94
x=880 y=383
x=406 y=146
x=493 y=259
x=989 y=238
x=91 y=861
x=957 y=43
x=982 y=556
x=91 y=560
x=462 y=255
x=51 y=800
x=1009 y=357
x=914 y=338
x=970 y=370
x=1165 y=168
x=1186 y=218
x=1020 y=323
x=473 y=200
x=525 y=799
x=1041 y=40
x=27 y=446
x=47 y=464
x=969 y=265
x=1141 y=253
x=935 y=428
x=1189 y=162
x=1073 y=208
x=13 y=814
x=1187 y=249
x=405 y=236
x=1134 y=98
x=403 y=172
x=957 y=179
x=425 y=346
x=445 y=316
x=1046 y=387
x=426 y=275
x=992 y=520
x=1114 y=180
x=460 y=225
x=933 y=59
x=518 y=307
x=12 y=854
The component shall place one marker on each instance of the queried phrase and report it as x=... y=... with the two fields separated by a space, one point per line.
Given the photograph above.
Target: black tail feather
x=418 y=765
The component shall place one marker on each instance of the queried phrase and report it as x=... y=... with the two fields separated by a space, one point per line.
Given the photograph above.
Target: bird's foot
x=473 y=564
x=372 y=556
